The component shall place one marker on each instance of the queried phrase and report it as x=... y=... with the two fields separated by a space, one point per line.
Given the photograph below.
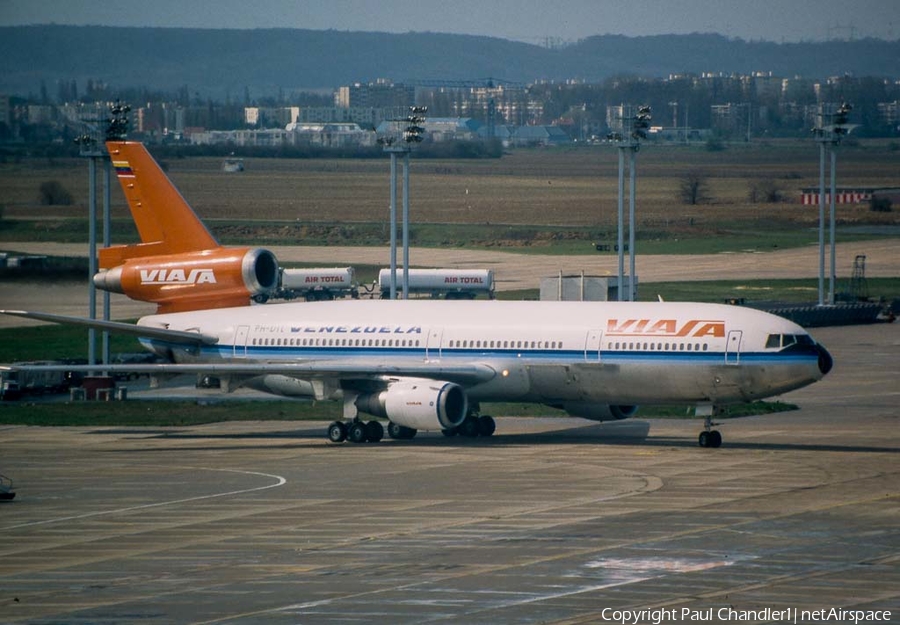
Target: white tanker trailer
x=441 y=283
x=316 y=283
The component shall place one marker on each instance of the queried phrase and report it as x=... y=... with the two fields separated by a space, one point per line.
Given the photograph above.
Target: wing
x=358 y=369
x=356 y=374
x=355 y=369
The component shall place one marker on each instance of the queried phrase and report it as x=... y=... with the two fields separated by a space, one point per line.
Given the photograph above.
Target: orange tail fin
x=178 y=264
x=165 y=221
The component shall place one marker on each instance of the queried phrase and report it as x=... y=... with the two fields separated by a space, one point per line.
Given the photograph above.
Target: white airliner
x=430 y=365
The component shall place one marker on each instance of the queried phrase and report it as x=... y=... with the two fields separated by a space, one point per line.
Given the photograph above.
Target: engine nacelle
x=418 y=403
x=599 y=412
x=218 y=278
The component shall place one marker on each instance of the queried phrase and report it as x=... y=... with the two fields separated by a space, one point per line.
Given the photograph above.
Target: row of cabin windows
x=659 y=347
x=506 y=344
x=294 y=342
x=320 y=342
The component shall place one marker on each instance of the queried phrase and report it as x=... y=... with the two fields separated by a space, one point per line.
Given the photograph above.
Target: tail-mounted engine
x=216 y=278
x=418 y=403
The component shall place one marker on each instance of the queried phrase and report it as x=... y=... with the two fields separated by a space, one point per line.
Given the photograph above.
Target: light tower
x=91 y=147
x=829 y=136
x=413 y=133
x=635 y=125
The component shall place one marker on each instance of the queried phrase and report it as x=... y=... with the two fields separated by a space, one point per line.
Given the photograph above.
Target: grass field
x=561 y=240
x=555 y=199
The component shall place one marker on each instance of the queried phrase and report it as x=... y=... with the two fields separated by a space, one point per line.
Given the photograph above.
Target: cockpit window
x=775 y=341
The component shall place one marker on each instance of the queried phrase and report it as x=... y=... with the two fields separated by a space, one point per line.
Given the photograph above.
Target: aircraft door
x=592 y=345
x=240 y=341
x=733 y=347
x=433 y=346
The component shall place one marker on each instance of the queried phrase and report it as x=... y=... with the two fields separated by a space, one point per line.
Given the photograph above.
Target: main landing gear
x=355 y=431
x=358 y=431
x=473 y=426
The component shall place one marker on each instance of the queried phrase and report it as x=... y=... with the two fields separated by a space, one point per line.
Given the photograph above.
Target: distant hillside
x=219 y=62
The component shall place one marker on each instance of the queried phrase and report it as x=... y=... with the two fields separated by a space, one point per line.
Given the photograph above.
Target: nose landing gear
x=711 y=438
x=708 y=437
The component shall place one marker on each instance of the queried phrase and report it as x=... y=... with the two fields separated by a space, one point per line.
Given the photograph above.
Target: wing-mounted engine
x=417 y=403
x=598 y=412
x=217 y=278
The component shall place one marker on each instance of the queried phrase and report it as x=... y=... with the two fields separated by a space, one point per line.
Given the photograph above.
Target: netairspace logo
x=786 y=615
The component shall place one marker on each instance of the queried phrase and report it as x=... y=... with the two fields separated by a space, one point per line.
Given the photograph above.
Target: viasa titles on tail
x=427 y=364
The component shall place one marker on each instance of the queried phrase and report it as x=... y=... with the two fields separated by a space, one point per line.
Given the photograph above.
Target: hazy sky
x=532 y=21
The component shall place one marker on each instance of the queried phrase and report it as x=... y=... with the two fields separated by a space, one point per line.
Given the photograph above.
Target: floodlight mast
x=829 y=137
x=90 y=147
x=412 y=134
x=116 y=130
x=634 y=128
x=388 y=143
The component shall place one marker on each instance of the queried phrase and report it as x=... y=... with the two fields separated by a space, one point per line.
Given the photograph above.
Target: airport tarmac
x=549 y=521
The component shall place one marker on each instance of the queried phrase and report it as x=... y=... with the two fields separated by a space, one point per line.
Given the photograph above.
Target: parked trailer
x=9 y=386
x=24 y=382
x=441 y=283
x=317 y=283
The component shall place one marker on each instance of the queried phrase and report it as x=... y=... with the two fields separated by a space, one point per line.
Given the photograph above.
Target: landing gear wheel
x=709 y=437
x=357 y=432
x=469 y=427
x=712 y=438
x=400 y=432
x=450 y=432
x=337 y=432
x=486 y=425
x=374 y=431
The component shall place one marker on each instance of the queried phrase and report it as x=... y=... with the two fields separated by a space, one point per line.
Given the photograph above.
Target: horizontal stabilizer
x=118 y=327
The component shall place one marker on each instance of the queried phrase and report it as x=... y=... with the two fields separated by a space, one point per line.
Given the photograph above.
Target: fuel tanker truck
x=441 y=283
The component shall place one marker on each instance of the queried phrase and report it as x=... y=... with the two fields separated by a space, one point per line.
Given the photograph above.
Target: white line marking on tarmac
x=280 y=481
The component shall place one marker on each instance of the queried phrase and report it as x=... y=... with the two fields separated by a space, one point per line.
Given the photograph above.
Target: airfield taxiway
x=549 y=521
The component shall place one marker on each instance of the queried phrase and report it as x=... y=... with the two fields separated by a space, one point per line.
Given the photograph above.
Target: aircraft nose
x=826 y=362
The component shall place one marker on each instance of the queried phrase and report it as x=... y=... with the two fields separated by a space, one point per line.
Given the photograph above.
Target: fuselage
x=548 y=352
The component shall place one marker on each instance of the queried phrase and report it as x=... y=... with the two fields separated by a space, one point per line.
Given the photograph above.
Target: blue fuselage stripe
x=284 y=353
